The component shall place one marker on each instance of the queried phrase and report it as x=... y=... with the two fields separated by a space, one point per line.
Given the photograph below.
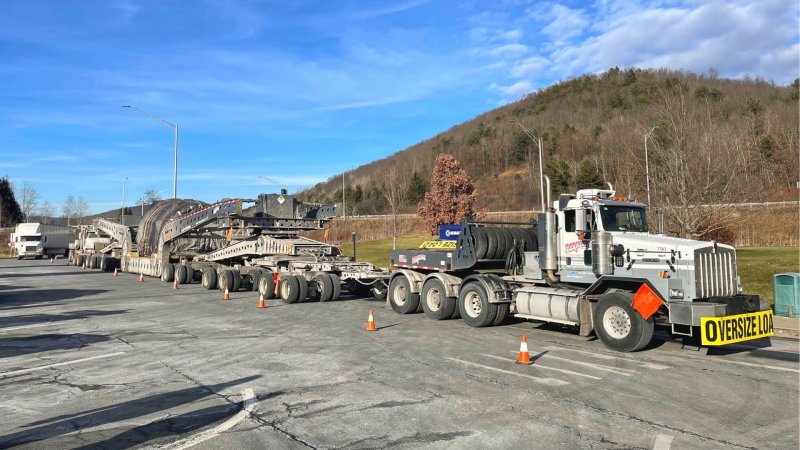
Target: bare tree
x=393 y=191
x=150 y=196
x=69 y=208
x=81 y=209
x=46 y=211
x=29 y=199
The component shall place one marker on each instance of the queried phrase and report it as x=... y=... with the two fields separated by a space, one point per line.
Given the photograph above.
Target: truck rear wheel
x=618 y=326
x=401 y=298
x=473 y=303
x=181 y=275
x=168 y=274
x=435 y=302
x=324 y=287
x=337 y=286
x=303 y=284
x=266 y=284
x=289 y=288
x=502 y=314
x=379 y=290
x=237 y=280
x=209 y=280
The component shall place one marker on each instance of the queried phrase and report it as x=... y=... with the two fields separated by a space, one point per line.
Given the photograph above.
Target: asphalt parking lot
x=92 y=361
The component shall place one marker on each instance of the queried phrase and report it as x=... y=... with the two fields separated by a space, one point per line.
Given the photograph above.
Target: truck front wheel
x=401 y=298
x=619 y=326
x=474 y=306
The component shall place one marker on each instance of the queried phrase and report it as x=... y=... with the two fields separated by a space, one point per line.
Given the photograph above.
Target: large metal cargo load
x=224 y=245
x=38 y=240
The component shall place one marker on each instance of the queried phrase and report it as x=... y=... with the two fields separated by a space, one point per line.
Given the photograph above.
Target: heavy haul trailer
x=217 y=245
x=590 y=264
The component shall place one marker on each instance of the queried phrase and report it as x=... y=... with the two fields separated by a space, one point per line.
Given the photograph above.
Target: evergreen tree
x=10 y=212
x=416 y=189
x=588 y=176
x=559 y=173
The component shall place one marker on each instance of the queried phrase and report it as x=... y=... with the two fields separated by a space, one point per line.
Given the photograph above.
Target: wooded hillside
x=716 y=141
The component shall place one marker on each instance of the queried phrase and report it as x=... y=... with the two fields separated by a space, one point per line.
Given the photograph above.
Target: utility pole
x=538 y=142
x=344 y=205
x=647 y=165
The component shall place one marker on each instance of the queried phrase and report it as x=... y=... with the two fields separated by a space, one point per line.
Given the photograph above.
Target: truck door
x=575 y=243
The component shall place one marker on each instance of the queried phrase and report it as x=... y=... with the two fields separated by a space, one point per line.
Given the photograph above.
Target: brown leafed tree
x=452 y=196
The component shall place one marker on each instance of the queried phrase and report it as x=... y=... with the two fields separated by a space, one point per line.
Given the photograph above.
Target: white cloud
x=530 y=67
x=514 y=50
x=565 y=23
x=513 y=91
x=512 y=35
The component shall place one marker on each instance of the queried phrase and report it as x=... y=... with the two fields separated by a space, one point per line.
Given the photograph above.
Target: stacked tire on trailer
x=472 y=304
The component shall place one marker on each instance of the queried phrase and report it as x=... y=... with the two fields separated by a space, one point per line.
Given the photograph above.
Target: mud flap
x=585 y=316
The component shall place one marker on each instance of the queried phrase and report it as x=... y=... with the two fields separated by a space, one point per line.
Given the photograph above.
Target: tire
x=534 y=239
x=401 y=298
x=289 y=288
x=474 y=306
x=209 y=279
x=237 y=280
x=337 y=286
x=255 y=277
x=618 y=326
x=324 y=287
x=491 y=242
x=502 y=314
x=168 y=274
x=480 y=242
x=79 y=262
x=520 y=239
x=435 y=302
x=266 y=285
x=503 y=243
x=181 y=274
x=303 y=284
x=379 y=290
x=225 y=280
x=104 y=263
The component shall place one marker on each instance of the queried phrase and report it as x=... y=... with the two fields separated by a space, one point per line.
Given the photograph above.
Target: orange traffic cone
x=141 y=277
x=175 y=283
x=524 y=357
x=261 y=303
x=227 y=295
x=371 y=322
x=115 y=272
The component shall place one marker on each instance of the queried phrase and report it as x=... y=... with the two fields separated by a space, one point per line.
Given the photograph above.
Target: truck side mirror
x=580 y=220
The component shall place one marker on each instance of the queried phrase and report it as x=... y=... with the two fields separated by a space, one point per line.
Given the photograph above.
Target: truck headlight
x=676 y=293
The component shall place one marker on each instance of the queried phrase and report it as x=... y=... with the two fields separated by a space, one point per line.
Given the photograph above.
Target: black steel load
x=152 y=224
x=480 y=245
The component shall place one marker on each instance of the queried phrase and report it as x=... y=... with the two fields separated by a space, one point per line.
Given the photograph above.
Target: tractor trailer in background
x=586 y=262
x=38 y=240
x=219 y=246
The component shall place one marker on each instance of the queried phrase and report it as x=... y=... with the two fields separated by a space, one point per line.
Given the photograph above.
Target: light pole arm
x=166 y=124
x=538 y=143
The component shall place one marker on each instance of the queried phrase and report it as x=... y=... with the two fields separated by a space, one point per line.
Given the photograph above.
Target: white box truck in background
x=38 y=240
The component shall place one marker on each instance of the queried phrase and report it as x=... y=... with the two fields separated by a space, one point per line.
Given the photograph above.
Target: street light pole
x=167 y=124
x=122 y=211
x=538 y=142
x=647 y=165
x=344 y=205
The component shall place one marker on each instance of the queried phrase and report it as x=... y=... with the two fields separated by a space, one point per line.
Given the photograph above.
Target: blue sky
x=299 y=91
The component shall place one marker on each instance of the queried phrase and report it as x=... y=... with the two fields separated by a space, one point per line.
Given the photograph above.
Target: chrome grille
x=715 y=272
x=30 y=248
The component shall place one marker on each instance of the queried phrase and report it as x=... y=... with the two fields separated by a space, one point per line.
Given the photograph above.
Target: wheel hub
x=617 y=322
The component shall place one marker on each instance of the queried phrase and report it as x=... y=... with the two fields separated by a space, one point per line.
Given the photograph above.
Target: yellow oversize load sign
x=439 y=245
x=738 y=328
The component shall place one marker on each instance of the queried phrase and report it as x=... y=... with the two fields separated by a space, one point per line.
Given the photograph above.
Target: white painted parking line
x=646 y=365
x=663 y=442
x=548 y=381
x=539 y=366
x=622 y=372
x=249 y=403
x=65 y=363
x=23 y=327
x=761 y=366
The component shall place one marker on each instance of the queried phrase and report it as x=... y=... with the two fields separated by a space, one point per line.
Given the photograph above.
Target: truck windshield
x=623 y=218
x=30 y=238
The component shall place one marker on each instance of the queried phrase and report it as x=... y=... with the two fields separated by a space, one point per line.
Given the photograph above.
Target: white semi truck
x=587 y=262
x=38 y=240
